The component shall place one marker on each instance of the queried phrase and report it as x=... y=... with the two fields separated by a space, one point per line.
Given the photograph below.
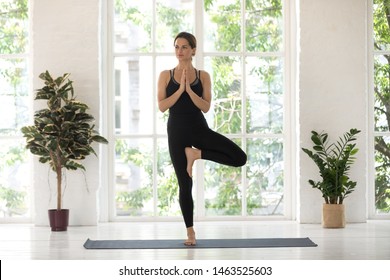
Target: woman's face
x=183 y=49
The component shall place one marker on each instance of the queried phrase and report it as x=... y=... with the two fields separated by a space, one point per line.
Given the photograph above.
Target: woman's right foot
x=191 y=155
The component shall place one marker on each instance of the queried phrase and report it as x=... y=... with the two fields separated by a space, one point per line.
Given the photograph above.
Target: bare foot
x=191 y=241
x=192 y=155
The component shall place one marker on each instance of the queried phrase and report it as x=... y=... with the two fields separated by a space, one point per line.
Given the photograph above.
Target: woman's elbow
x=161 y=107
x=206 y=108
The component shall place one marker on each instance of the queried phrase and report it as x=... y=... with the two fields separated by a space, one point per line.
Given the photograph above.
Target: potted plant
x=334 y=161
x=62 y=136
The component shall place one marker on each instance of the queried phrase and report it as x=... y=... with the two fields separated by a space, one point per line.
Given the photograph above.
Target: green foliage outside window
x=13 y=26
x=263 y=33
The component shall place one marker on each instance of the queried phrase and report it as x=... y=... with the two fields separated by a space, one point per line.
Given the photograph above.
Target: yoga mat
x=200 y=243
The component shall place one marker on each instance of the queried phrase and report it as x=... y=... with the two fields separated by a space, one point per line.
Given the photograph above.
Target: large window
x=381 y=104
x=15 y=103
x=242 y=44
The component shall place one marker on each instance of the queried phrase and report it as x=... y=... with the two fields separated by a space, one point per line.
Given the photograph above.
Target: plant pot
x=59 y=219
x=333 y=215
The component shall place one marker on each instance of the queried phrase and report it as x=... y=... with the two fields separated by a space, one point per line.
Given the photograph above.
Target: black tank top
x=184 y=104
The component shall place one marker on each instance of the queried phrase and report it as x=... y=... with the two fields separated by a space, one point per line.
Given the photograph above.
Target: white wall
x=332 y=92
x=65 y=36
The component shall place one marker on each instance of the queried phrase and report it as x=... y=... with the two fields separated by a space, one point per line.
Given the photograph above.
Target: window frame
x=289 y=116
x=372 y=53
x=26 y=56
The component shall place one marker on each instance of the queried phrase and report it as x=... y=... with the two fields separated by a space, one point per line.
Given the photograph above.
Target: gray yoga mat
x=200 y=243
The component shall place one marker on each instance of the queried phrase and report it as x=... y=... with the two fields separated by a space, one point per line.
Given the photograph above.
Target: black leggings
x=193 y=131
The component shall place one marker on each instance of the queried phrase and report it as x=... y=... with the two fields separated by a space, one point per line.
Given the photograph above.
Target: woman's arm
x=204 y=102
x=164 y=102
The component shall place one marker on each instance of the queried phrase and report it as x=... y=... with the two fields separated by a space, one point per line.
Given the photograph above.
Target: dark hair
x=189 y=37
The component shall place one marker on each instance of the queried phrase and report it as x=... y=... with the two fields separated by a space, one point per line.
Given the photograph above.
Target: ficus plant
x=334 y=161
x=63 y=132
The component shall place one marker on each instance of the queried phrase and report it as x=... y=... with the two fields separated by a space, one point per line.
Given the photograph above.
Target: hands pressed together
x=202 y=102
x=184 y=82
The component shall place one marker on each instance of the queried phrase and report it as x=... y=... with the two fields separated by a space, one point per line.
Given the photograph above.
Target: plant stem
x=59 y=177
x=59 y=194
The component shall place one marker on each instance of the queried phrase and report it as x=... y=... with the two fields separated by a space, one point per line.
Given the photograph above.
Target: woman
x=186 y=92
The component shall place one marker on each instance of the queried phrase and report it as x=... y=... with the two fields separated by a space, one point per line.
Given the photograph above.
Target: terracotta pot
x=59 y=219
x=333 y=215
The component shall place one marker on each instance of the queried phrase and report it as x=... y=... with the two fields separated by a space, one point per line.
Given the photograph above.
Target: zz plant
x=63 y=133
x=334 y=161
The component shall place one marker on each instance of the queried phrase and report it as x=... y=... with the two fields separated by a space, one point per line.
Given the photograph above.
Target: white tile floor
x=363 y=241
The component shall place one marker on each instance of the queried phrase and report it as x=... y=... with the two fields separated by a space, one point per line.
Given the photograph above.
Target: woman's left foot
x=191 y=240
x=191 y=155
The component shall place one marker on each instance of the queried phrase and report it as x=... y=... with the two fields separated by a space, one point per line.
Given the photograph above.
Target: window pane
x=133 y=26
x=382 y=174
x=264 y=89
x=14 y=179
x=381 y=25
x=152 y=32
x=167 y=186
x=163 y=63
x=222 y=25
x=382 y=104
x=14 y=96
x=14 y=27
x=172 y=18
x=223 y=189
x=133 y=91
x=382 y=93
x=264 y=25
x=226 y=103
x=265 y=177
x=134 y=177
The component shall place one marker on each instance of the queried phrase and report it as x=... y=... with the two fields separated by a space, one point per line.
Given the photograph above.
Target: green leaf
x=99 y=139
x=50 y=129
x=72 y=165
